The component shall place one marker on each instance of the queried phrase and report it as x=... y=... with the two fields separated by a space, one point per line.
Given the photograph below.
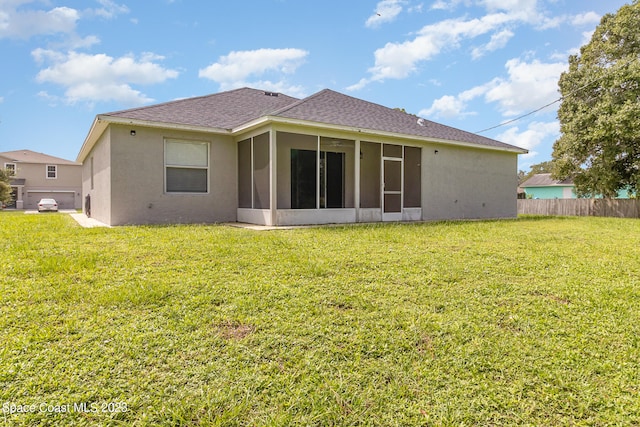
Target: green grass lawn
x=534 y=321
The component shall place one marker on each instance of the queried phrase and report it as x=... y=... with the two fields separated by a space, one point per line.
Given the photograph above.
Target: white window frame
x=13 y=167
x=55 y=171
x=168 y=165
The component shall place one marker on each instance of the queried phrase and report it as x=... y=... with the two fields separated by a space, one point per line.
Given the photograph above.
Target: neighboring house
x=266 y=158
x=37 y=176
x=542 y=186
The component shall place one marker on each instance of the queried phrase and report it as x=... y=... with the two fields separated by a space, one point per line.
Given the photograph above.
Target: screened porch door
x=392 y=183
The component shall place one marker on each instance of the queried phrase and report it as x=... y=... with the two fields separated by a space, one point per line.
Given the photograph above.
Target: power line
x=551 y=103
x=521 y=117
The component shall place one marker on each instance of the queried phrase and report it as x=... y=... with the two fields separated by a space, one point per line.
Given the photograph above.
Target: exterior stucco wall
x=555 y=192
x=101 y=191
x=129 y=179
x=468 y=183
x=138 y=176
x=562 y=192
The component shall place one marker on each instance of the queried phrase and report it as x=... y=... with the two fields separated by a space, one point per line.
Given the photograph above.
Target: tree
x=5 y=186
x=599 y=146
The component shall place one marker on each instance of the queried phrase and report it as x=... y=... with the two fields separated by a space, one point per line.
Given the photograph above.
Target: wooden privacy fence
x=620 y=208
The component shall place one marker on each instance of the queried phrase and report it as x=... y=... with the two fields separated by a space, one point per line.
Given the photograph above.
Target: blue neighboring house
x=542 y=186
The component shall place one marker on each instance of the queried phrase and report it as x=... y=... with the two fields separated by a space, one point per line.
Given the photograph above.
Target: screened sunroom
x=293 y=178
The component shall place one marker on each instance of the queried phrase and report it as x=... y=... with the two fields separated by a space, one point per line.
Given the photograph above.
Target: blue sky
x=471 y=64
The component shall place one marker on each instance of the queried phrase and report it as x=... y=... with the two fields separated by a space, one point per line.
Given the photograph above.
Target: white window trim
x=167 y=165
x=15 y=167
x=46 y=171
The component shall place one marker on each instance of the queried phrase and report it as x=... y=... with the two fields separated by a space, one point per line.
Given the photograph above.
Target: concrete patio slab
x=87 y=222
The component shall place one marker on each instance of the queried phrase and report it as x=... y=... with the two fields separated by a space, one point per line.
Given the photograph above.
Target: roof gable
x=28 y=156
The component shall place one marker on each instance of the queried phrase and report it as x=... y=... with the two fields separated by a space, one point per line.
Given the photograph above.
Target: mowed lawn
x=534 y=321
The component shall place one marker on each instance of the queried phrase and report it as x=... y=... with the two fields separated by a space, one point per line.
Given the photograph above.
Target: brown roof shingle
x=545 y=180
x=334 y=108
x=231 y=109
x=28 y=156
x=225 y=110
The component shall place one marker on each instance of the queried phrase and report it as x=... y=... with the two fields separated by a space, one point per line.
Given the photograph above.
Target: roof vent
x=271 y=94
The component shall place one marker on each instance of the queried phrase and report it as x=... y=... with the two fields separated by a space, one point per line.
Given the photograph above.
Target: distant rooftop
x=28 y=156
x=545 y=180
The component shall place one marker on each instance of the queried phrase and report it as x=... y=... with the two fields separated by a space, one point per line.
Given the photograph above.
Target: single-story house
x=542 y=186
x=259 y=157
x=37 y=176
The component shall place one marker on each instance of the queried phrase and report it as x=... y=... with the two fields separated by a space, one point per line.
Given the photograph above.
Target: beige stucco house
x=38 y=176
x=266 y=158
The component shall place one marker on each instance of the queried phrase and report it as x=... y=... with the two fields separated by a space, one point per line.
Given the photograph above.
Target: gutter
x=280 y=120
x=102 y=121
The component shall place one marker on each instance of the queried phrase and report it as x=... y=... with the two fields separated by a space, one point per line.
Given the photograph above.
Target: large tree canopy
x=600 y=110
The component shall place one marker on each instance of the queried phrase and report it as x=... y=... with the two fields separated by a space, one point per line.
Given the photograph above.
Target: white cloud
x=529 y=86
x=588 y=18
x=386 y=11
x=535 y=134
x=448 y=5
x=399 y=60
x=498 y=41
x=76 y=42
x=416 y=9
x=522 y=10
x=19 y=21
x=233 y=70
x=447 y=107
x=450 y=107
x=109 y=9
x=23 y=24
x=100 y=77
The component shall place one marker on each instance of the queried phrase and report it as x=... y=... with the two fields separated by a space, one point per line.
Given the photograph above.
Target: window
x=10 y=167
x=52 y=171
x=186 y=166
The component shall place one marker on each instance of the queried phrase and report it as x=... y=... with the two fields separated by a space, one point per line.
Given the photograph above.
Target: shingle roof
x=334 y=108
x=28 y=156
x=225 y=110
x=232 y=109
x=545 y=180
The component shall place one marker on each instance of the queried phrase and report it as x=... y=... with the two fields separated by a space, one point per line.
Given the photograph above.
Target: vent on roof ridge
x=271 y=93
